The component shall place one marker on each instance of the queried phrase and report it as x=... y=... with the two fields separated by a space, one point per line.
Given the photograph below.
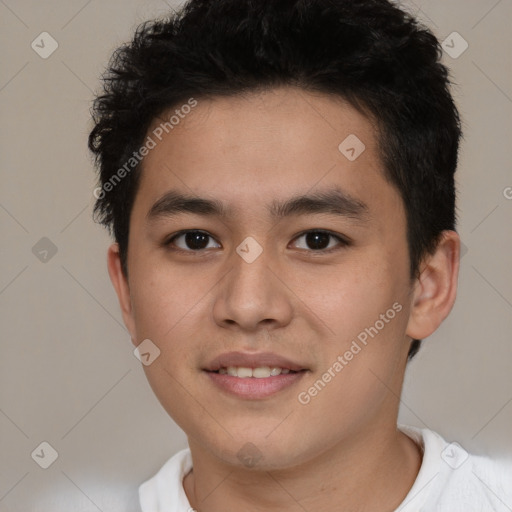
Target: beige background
x=67 y=372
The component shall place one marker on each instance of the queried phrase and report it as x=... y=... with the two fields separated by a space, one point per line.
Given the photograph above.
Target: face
x=320 y=289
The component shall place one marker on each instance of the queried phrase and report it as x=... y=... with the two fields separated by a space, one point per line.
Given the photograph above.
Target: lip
x=255 y=360
x=252 y=388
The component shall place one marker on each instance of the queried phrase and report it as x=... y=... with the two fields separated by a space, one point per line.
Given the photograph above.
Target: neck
x=373 y=470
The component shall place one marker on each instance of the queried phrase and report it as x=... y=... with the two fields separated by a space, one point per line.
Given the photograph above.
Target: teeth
x=244 y=372
x=262 y=372
x=258 y=373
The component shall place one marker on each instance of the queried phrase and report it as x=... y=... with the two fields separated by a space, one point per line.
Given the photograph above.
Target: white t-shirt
x=449 y=480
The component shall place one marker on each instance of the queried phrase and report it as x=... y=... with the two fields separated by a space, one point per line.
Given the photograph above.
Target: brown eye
x=191 y=241
x=319 y=240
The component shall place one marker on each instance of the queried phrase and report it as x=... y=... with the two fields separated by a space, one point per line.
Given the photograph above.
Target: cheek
x=365 y=309
x=361 y=370
x=165 y=298
x=353 y=296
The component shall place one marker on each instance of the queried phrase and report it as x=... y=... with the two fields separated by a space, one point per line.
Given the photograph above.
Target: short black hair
x=370 y=53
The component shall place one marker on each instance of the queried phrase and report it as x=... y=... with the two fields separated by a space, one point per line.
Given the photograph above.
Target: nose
x=253 y=296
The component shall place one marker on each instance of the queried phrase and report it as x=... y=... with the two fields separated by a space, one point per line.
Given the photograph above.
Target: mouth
x=261 y=372
x=259 y=363
x=253 y=376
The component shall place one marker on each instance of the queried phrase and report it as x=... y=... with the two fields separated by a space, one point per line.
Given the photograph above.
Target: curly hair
x=371 y=53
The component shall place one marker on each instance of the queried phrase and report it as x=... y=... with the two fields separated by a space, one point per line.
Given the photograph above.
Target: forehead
x=248 y=149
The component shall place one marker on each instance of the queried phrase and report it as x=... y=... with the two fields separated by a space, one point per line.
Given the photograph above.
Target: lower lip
x=252 y=388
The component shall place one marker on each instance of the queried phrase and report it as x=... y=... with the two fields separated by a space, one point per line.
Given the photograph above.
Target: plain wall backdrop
x=68 y=375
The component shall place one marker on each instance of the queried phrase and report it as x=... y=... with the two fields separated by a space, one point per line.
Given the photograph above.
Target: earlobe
x=436 y=287
x=120 y=283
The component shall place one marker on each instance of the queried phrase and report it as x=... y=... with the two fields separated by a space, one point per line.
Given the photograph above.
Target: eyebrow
x=331 y=201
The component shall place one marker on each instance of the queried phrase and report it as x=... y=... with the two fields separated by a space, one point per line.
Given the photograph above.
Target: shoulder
x=451 y=479
x=164 y=490
x=481 y=482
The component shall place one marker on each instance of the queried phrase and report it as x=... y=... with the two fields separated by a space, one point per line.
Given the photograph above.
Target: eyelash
x=343 y=242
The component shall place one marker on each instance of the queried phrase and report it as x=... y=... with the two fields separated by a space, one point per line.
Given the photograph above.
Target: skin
x=291 y=300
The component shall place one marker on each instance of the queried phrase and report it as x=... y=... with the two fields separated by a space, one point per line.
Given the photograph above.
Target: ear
x=120 y=282
x=436 y=287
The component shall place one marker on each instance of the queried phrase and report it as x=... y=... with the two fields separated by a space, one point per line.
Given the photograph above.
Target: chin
x=260 y=453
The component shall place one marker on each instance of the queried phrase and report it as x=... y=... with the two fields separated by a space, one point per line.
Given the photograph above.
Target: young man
x=279 y=179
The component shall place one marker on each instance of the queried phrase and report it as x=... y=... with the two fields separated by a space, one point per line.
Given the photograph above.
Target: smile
x=254 y=383
x=261 y=372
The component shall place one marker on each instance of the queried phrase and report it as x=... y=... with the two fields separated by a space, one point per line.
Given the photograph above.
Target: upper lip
x=255 y=360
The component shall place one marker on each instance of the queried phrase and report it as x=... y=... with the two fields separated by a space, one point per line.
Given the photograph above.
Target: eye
x=318 y=240
x=195 y=240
